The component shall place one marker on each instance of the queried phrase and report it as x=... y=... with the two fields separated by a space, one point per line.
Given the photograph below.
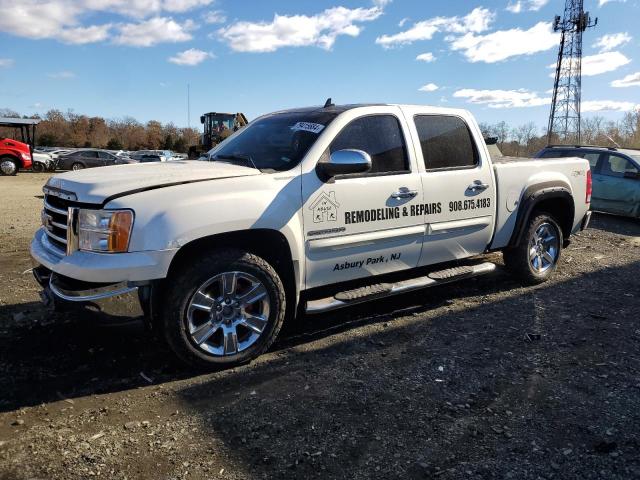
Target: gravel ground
x=480 y=379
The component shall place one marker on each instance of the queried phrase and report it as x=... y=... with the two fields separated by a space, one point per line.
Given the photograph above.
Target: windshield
x=276 y=142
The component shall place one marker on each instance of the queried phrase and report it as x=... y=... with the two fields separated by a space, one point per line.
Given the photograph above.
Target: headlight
x=26 y=156
x=104 y=230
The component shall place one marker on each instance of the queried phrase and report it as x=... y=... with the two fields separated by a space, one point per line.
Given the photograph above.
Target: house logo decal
x=325 y=208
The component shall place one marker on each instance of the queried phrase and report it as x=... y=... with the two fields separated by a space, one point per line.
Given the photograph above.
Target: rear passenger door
x=616 y=187
x=91 y=159
x=458 y=184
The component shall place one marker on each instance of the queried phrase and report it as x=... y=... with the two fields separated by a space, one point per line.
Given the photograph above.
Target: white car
x=312 y=209
x=42 y=162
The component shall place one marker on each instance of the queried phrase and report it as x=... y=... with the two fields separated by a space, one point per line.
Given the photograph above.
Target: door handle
x=404 y=192
x=478 y=186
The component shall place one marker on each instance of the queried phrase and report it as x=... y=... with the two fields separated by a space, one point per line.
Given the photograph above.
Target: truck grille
x=55 y=222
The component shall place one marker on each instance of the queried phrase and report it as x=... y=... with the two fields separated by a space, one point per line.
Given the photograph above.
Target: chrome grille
x=55 y=220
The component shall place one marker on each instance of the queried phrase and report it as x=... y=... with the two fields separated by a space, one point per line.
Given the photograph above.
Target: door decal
x=325 y=208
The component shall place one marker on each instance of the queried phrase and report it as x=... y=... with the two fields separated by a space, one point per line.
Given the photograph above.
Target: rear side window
x=381 y=137
x=105 y=155
x=446 y=142
x=616 y=166
x=554 y=153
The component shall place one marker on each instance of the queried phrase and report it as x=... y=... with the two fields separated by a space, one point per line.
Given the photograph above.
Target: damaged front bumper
x=124 y=300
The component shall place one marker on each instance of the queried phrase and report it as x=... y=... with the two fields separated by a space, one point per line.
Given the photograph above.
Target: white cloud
x=631 y=80
x=602 y=2
x=63 y=19
x=215 y=16
x=530 y=5
x=598 y=63
x=429 y=87
x=153 y=31
x=503 y=44
x=502 y=98
x=478 y=20
x=320 y=30
x=63 y=75
x=190 y=57
x=610 y=41
x=426 y=57
x=403 y=21
x=607 y=105
x=6 y=62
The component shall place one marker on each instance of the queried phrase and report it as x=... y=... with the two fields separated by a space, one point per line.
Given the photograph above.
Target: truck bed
x=513 y=176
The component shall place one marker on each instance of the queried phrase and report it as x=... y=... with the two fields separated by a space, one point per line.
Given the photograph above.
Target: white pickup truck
x=310 y=209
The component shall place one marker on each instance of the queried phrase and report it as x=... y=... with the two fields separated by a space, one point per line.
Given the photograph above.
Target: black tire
x=9 y=166
x=77 y=166
x=518 y=259
x=37 y=167
x=183 y=285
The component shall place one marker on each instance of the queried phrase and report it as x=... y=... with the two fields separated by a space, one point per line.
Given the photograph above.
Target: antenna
x=564 y=118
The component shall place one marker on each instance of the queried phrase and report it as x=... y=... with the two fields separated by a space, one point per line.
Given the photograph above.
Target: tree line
x=69 y=129
x=73 y=130
x=527 y=139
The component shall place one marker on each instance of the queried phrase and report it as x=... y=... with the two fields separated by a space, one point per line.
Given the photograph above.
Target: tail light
x=589 y=187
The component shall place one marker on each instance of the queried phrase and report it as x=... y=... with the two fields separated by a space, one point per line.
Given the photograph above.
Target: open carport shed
x=26 y=127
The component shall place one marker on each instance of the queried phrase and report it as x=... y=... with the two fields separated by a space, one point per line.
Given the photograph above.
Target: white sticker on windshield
x=308 y=127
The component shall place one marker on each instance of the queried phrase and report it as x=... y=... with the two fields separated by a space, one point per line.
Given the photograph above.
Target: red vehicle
x=15 y=154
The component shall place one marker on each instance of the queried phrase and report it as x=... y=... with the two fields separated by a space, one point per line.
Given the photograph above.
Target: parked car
x=616 y=176
x=303 y=210
x=164 y=155
x=88 y=158
x=42 y=162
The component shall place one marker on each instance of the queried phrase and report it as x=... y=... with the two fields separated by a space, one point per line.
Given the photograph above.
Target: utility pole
x=564 y=119
x=188 y=106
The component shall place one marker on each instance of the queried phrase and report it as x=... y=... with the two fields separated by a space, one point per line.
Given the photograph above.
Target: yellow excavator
x=217 y=127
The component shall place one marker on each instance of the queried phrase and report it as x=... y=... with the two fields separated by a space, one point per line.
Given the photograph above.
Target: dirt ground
x=480 y=379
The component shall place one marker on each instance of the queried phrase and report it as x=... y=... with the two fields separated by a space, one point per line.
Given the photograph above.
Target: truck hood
x=100 y=185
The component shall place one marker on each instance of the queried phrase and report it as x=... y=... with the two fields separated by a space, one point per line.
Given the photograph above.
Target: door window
x=381 y=137
x=617 y=166
x=90 y=154
x=105 y=156
x=446 y=142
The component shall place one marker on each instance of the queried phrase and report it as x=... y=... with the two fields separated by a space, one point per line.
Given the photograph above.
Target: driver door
x=361 y=225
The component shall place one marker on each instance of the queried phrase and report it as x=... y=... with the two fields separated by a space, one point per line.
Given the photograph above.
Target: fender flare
x=532 y=197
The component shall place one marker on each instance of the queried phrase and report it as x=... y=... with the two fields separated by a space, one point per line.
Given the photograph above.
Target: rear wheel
x=536 y=257
x=223 y=310
x=8 y=166
x=77 y=166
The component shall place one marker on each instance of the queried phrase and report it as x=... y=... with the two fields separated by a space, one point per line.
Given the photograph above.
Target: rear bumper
x=109 y=301
x=585 y=220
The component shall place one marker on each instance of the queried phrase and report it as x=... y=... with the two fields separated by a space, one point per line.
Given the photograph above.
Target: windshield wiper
x=237 y=156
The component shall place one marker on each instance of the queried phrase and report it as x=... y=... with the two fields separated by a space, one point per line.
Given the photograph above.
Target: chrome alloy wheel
x=544 y=247
x=8 y=167
x=228 y=313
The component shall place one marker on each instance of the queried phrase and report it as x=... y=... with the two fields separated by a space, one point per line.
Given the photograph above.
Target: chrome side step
x=382 y=290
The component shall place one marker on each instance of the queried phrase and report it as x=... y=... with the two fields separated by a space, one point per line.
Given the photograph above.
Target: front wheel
x=536 y=257
x=224 y=309
x=37 y=167
x=8 y=166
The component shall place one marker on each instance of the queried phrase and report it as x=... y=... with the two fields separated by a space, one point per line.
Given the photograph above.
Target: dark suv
x=616 y=175
x=87 y=158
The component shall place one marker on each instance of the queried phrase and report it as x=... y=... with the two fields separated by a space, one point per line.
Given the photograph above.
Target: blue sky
x=118 y=58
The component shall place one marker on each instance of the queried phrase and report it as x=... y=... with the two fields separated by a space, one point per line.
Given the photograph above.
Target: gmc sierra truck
x=305 y=210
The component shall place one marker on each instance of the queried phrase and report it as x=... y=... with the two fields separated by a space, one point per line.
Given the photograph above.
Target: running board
x=382 y=290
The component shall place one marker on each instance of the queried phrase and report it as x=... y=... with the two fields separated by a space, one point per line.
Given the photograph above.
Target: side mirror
x=344 y=162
